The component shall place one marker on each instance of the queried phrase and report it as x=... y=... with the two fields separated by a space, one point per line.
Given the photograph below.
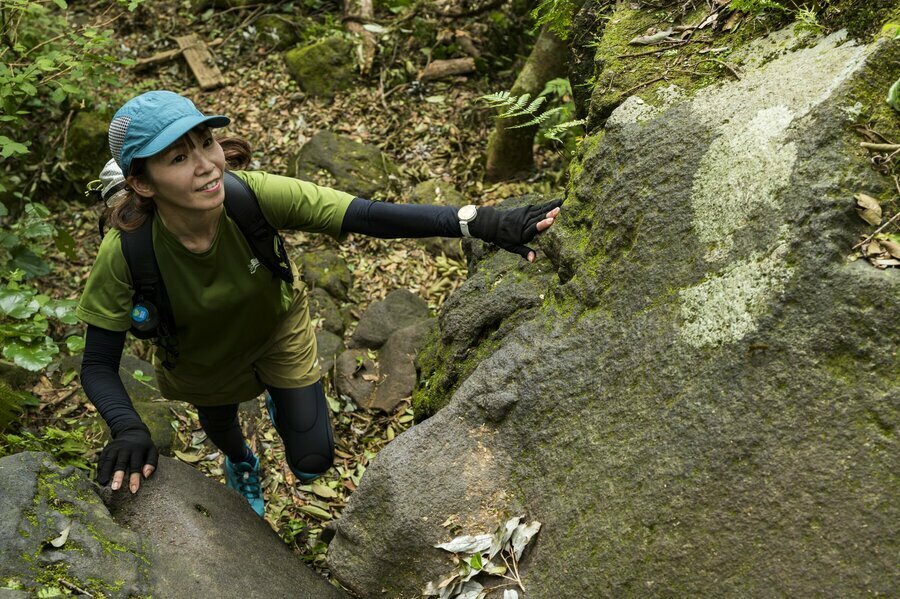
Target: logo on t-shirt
x=254 y=264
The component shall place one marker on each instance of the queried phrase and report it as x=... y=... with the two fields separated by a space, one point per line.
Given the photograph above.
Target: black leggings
x=301 y=418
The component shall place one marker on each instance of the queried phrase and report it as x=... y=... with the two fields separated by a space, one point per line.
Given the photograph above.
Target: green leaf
x=893 y=97
x=475 y=562
x=70 y=374
x=26 y=329
x=62 y=310
x=9 y=147
x=75 y=344
x=32 y=357
x=18 y=303
x=61 y=3
x=315 y=511
x=3 y=210
x=139 y=375
x=66 y=244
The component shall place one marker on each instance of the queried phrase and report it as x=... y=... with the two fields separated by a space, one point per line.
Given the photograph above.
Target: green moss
x=441 y=374
x=861 y=18
x=51 y=575
x=324 y=68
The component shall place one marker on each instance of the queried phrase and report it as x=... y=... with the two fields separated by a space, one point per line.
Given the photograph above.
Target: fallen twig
x=730 y=68
x=74 y=587
x=879 y=147
x=877 y=231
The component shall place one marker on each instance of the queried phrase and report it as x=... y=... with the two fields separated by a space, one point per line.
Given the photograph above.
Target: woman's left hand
x=512 y=229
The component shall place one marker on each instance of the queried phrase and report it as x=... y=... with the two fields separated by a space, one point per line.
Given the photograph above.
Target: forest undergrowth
x=436 y=130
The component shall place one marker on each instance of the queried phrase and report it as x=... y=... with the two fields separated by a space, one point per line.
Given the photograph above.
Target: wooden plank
x=166 y=56
x=201 y=62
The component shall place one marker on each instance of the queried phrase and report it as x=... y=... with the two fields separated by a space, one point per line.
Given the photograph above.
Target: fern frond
x=553 y=132
x=535 y=104
x=539 y=118
x=498 y=99
x=520 y=102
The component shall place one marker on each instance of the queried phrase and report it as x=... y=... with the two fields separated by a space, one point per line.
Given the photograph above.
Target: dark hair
x=127 y=210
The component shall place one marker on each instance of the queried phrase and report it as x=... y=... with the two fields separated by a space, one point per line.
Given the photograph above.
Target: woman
x=239 y=331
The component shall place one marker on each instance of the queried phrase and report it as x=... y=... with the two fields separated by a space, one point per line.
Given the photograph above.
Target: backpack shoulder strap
x=267 y=245
x=137 y=247
x=149 y=289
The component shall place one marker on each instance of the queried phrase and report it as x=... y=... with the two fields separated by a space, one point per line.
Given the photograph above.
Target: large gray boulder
x=205 y=541
x=44 y=505
x=181 y=535
x=702 y=400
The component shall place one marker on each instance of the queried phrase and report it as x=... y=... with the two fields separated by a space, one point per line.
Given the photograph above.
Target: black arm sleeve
x=392 y=221
x=101 y=382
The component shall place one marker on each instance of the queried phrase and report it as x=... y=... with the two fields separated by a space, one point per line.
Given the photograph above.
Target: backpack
x=151 y=312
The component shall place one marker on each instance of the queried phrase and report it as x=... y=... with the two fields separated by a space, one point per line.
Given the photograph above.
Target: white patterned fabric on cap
x=117 y=129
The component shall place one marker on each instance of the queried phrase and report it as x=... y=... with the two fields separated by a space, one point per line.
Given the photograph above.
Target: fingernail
x=134 y=489
x=115 y=486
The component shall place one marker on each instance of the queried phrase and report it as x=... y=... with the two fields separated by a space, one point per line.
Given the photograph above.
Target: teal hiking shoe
x=244 y=478
x=303 y=476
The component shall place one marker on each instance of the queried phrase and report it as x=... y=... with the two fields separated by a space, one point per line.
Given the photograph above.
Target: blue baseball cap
x=150 y=123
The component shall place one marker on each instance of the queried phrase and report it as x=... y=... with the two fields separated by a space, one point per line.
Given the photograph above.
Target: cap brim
x=173 y=133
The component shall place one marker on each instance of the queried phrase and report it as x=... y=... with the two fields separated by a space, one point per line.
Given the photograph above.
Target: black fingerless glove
x=510 y=229
x=128 y=451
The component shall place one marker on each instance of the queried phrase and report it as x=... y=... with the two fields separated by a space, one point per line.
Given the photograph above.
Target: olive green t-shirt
x=225 y=305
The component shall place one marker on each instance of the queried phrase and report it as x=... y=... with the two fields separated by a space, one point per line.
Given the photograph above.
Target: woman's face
x=187 y=175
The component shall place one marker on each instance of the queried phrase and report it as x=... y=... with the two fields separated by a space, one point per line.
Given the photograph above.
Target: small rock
x=325 y=270
x=396 y=362
x=330 y=346
x=398 y=310
x=322 y=305
x=357 y=375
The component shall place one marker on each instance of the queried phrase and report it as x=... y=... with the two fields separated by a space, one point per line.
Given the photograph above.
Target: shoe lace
x=248 y=484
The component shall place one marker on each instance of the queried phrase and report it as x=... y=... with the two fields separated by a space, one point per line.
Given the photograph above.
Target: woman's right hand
x=131 y=452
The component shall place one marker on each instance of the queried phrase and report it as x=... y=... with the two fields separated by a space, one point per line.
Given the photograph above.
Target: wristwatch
x=466 y=214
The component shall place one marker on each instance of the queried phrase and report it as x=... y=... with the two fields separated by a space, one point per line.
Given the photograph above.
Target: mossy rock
x=87 y=148
x=280 y=32
x=336 y=161
x=323 y=69
x=325 y=270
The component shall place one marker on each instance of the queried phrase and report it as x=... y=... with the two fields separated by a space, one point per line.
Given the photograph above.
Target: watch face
x=467 y=213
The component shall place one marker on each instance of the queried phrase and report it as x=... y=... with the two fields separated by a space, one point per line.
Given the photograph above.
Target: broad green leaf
x=31 y=357
x=475 y=562
x=29 y=263
x=62 y=310
x=26 y=329
x=65 y=243
x=61 y=3
x=3 y=210
x=9 y=147
x=75 y=344
x=18 y=303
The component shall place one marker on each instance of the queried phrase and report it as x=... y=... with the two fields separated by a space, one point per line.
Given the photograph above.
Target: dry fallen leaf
x=868 y=209
x=893 y=248
x=62 y=538
x=873 y=248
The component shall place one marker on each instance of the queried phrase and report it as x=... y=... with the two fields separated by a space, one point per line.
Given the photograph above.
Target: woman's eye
x=178 y=158
x=208 y=142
